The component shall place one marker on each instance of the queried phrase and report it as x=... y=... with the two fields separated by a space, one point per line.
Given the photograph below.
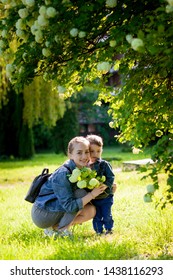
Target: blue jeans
x=103 y=218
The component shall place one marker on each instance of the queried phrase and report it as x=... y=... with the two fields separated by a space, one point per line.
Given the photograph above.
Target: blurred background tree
x=73 y=43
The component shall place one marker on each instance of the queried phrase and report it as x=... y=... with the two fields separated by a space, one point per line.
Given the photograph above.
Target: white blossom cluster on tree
x=74 y=43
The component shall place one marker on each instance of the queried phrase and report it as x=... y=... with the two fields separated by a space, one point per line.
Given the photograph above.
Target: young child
x=103 y=218
x=56 y=208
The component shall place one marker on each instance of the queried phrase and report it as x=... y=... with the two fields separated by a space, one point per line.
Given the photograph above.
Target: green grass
x=140 y=231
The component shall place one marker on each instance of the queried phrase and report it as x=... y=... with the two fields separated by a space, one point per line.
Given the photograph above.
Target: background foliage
x=71 y=43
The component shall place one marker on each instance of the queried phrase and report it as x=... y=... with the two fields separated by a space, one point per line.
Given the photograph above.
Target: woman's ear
x=69 y=155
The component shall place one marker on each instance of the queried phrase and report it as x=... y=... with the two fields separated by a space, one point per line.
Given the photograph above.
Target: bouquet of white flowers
x=86 y=178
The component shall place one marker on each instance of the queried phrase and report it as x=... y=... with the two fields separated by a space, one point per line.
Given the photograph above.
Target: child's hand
x=114 y=188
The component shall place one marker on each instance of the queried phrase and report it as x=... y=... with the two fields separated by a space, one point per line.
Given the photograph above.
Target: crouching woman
x=56 y=208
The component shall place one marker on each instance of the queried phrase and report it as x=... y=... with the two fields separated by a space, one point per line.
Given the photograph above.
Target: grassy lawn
x=140 y=231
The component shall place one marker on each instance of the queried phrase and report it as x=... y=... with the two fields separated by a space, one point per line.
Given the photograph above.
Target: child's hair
x=95 y=140
x=77 y=139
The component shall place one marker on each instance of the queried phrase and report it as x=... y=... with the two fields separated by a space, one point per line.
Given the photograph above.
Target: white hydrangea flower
x=47 y=44
x=47 y=2
x=4 y=33
x=23 y=13
x=75 y=176
x=20 y=24
x=82 y=34
x=136 y=44
x=51 y=12
x=3 y=22
x=42 y=10
x=73 y=179
x=81 y=184
x=56 y=38
x=46 y=52
x=5 y=1
x=112 y=43
x=42 y=21
x=21 y=69
x=86 y=178
x=30 y=3
x=135 y=150
x=33 y=29
x=150 y=188
x=147 y=197
x=169 y=9
x=20 y=33
x=76 y=172
x=25 y=56
x=13 y=3
x=36 y=24
x=111 y=124
x=2 y=44
x=74 y=32
x=103 y=66
x=94 y=183
x=111 y=3
x=9 y=69
x=61 y=89
x=33 y=44
x=39 y=36
x=129 y=38
x=170 y=2
x=103 y=178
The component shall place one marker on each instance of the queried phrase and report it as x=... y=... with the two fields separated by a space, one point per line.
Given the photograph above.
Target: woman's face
x=80 y=154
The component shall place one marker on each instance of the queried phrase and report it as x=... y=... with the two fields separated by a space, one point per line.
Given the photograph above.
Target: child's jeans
x=103 y=218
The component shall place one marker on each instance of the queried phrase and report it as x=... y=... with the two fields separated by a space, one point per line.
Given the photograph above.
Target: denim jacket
x=103 y=167
x=56 y=194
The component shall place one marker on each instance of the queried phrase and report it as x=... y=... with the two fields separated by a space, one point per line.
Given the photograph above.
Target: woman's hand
x=96 y=191
x=91 y=195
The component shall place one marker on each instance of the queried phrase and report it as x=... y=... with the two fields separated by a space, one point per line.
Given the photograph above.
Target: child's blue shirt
x=103 y=167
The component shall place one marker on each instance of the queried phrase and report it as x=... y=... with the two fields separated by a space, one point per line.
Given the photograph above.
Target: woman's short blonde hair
x=77 y=139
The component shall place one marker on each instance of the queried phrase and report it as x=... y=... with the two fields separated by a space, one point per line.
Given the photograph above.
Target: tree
x=20 y=112
x=77 y=41
x=16 y=137
x=65 y=129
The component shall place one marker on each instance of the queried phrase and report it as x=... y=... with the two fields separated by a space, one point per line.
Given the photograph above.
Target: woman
x=57 y=198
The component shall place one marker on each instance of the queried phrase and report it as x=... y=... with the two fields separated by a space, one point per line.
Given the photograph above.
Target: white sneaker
x=49 y=232
x=65 y=232
x=54 y=233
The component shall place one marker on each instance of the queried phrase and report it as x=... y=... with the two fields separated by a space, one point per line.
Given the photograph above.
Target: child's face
x=95 y=152
x=80 y=154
